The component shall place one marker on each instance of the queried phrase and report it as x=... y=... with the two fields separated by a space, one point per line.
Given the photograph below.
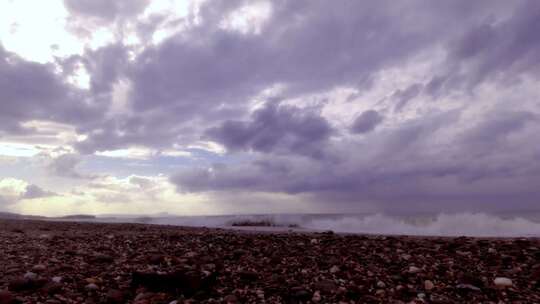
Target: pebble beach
x=71 y=262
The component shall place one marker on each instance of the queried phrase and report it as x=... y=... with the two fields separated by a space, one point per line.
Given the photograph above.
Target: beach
x=73 y=262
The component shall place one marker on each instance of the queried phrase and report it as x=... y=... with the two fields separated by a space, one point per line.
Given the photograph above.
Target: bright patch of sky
x=36 y=30
x=248 y=19
x=18 y=150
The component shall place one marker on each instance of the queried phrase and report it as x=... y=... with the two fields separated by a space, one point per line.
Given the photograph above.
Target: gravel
x=146 y=264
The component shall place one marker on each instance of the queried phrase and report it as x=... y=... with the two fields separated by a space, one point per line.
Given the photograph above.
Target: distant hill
x=78 y=216
x=11 y=215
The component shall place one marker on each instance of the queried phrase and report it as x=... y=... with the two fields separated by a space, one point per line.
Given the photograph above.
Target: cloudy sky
x=218 y=107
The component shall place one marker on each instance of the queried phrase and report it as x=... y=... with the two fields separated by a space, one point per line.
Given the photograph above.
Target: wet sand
x=68 y=262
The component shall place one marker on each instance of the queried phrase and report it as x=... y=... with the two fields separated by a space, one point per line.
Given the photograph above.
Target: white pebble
x=428 y=285
x=503 y=282
x=30 y=276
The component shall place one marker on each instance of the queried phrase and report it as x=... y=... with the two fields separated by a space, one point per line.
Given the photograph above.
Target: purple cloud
x=275 y=128
x=366 y=122
x=462 y=143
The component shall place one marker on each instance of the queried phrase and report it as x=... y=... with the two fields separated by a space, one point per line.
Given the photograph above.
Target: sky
x=226 y=107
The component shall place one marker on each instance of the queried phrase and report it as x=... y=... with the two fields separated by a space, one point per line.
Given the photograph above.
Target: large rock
x=115 y=296
x=187 y=283
x=325 y=286
x=21 y=284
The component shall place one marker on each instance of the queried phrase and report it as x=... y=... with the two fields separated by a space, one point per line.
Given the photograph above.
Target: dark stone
x=187 y=283
x=52 y=288
x=6 y=297
x=115 y=296
x=20 y=284
x=248 y=275
x=300 y=294
x=325 y=286
x=102 y=258
x=156 y=259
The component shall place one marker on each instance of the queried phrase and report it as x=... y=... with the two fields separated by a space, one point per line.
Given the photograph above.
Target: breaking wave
x=465 y=224
x=460 y=224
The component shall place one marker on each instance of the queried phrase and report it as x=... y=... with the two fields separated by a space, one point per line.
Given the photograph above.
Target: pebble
x=39 y=268
x=154 y=264
x=326 y=286
x=57 y=279
x=115 y=296
x=468 y=287
x=316 y=297
x=6 y=297
x=30 y=275
x=503 y=282
x=334 y=269
x=231 y=299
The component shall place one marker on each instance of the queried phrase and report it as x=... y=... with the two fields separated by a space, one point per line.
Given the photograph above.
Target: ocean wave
x=459 y=224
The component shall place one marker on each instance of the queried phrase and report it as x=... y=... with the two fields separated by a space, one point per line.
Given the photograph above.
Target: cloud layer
x=372 y=103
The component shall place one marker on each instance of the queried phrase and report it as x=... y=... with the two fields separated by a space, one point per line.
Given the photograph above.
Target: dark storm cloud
x=400 y=168
x=105 y=66
x=207 y=74
x=344 y=171
x=276 y=128
x=224 y=66
x=404 y=96
x=66 y=165
x=366 y=122
x=33 y=91
x=201 y=84
x=494 y=49
x=33 y=191
x=497 y=128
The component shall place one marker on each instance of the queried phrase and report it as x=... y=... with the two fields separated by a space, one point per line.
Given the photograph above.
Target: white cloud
x=133 y=152
x=12 y=187
x=130 y=195
x=248 y=19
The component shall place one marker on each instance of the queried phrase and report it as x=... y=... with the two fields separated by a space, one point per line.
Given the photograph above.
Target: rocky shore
x=66 y=262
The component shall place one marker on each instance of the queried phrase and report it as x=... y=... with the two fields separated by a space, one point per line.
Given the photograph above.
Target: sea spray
x=443 y=224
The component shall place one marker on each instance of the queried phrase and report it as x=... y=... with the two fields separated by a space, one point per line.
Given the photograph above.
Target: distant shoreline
x=266 y=229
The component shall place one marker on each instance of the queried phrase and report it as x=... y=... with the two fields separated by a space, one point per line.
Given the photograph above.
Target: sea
x=504 y=224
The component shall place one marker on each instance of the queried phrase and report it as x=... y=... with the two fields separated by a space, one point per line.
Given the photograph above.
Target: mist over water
x=443 y=224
